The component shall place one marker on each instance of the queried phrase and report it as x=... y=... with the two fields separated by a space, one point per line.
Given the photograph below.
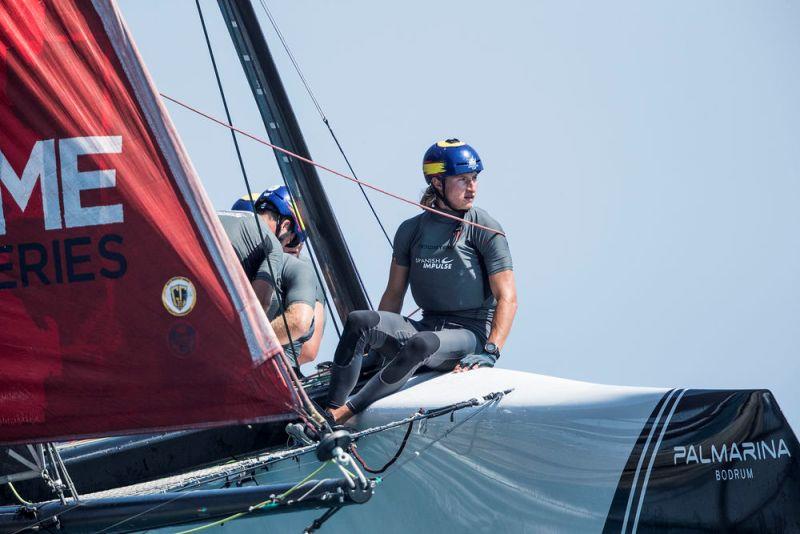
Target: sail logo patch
x=182 y=338
x=179 y=296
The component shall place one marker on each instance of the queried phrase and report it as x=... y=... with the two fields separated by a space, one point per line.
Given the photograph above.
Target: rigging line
x=147 y=511
x=330 y=170
x=493 y=400
x=32 y=526
x=18 y=496
x=292 y=59
x=249 y=191
x=324 y=118
x=268 y=503
x=360 y=186
x=65 y=473
x=358 y=274
x=269 y=459
x=253 y=465
x=394 y=458
x=489 y=399
x=331 y=310
x=317 y=523
x=311 y=254
x=184 y=493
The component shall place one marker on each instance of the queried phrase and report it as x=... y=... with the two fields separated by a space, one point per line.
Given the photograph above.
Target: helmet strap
x=443 y=196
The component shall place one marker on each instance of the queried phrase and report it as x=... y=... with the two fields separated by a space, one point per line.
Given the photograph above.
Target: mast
x=335 y=261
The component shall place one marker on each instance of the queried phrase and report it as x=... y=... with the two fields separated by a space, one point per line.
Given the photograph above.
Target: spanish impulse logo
x=436 y=263
x=75 y=259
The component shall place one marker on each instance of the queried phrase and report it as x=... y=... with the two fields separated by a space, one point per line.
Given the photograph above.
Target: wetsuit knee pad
x=358 y=323
x=412 y=355
x=362 y=320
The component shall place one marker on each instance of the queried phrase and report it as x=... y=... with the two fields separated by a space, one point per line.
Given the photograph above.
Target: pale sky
x=642 y=157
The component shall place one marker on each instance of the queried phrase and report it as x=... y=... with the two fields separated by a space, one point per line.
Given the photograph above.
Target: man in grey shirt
x=298 y=290
x=458 y=264
x=310 y=348
x=259 y=251
x=449 y=265
x=293 y=321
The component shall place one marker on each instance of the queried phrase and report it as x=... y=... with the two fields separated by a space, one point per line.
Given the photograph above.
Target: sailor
x=297 y=284
x=259 y=251
x=310 y=346
x=298 y=295
x=460 y=275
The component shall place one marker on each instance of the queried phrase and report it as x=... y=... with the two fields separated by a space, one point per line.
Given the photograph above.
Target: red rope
x=332 y=171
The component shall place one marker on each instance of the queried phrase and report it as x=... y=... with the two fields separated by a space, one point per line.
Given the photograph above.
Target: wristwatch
x=491 y=348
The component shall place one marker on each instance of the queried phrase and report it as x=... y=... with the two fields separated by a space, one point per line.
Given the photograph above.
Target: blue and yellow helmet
x=276 y=199
x=448 y=158
x=245 y=203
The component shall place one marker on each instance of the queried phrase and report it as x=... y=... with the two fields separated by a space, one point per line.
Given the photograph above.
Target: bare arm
x=298 y=316
x=395 y=292
x=505 y=291
x=308 y=353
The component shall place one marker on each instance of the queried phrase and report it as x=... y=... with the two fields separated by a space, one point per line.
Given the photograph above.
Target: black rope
x=331 y=309
x=188 y=489
x=490 y=399
x=388 y=464
x=361 y=187
x=318 y=522
x=244 y=175
x=311 y=254
x=324 y=119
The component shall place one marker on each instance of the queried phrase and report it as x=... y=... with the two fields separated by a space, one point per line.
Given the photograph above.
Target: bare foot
x=341 y=414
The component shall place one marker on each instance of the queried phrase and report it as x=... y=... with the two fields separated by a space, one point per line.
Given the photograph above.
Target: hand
x=473 y=361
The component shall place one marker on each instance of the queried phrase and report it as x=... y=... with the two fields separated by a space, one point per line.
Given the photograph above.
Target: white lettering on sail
x=41 y=165
x=74 y=181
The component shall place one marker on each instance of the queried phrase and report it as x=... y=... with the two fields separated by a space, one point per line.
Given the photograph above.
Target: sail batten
x=124 y=308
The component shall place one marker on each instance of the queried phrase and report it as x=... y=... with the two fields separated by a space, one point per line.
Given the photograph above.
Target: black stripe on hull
x=623 y=500
x=722 y=461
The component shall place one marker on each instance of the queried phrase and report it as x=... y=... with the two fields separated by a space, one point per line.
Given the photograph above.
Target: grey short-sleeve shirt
x=256 y=256
x=449 y=266
x=298 y=284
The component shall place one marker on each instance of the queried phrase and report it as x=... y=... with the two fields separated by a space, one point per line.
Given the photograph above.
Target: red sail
x=123 y=306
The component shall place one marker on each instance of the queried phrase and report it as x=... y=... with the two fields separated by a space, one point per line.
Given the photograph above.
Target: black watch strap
x=491 y=348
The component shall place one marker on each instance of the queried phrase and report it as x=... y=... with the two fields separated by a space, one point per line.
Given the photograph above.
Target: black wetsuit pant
x=405 y=344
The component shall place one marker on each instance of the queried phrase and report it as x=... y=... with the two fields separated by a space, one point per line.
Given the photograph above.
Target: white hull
x=549 y=457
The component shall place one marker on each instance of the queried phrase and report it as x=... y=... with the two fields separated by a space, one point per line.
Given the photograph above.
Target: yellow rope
x=293 y=489
x=257 y=506
x=17 y=495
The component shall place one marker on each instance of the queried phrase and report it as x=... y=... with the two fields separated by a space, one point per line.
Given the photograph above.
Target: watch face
x=491 y=348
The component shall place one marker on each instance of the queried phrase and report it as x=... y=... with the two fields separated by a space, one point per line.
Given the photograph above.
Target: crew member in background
x=460 y=275
x=259 y=252
x=310 y=349
x=299 y=289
